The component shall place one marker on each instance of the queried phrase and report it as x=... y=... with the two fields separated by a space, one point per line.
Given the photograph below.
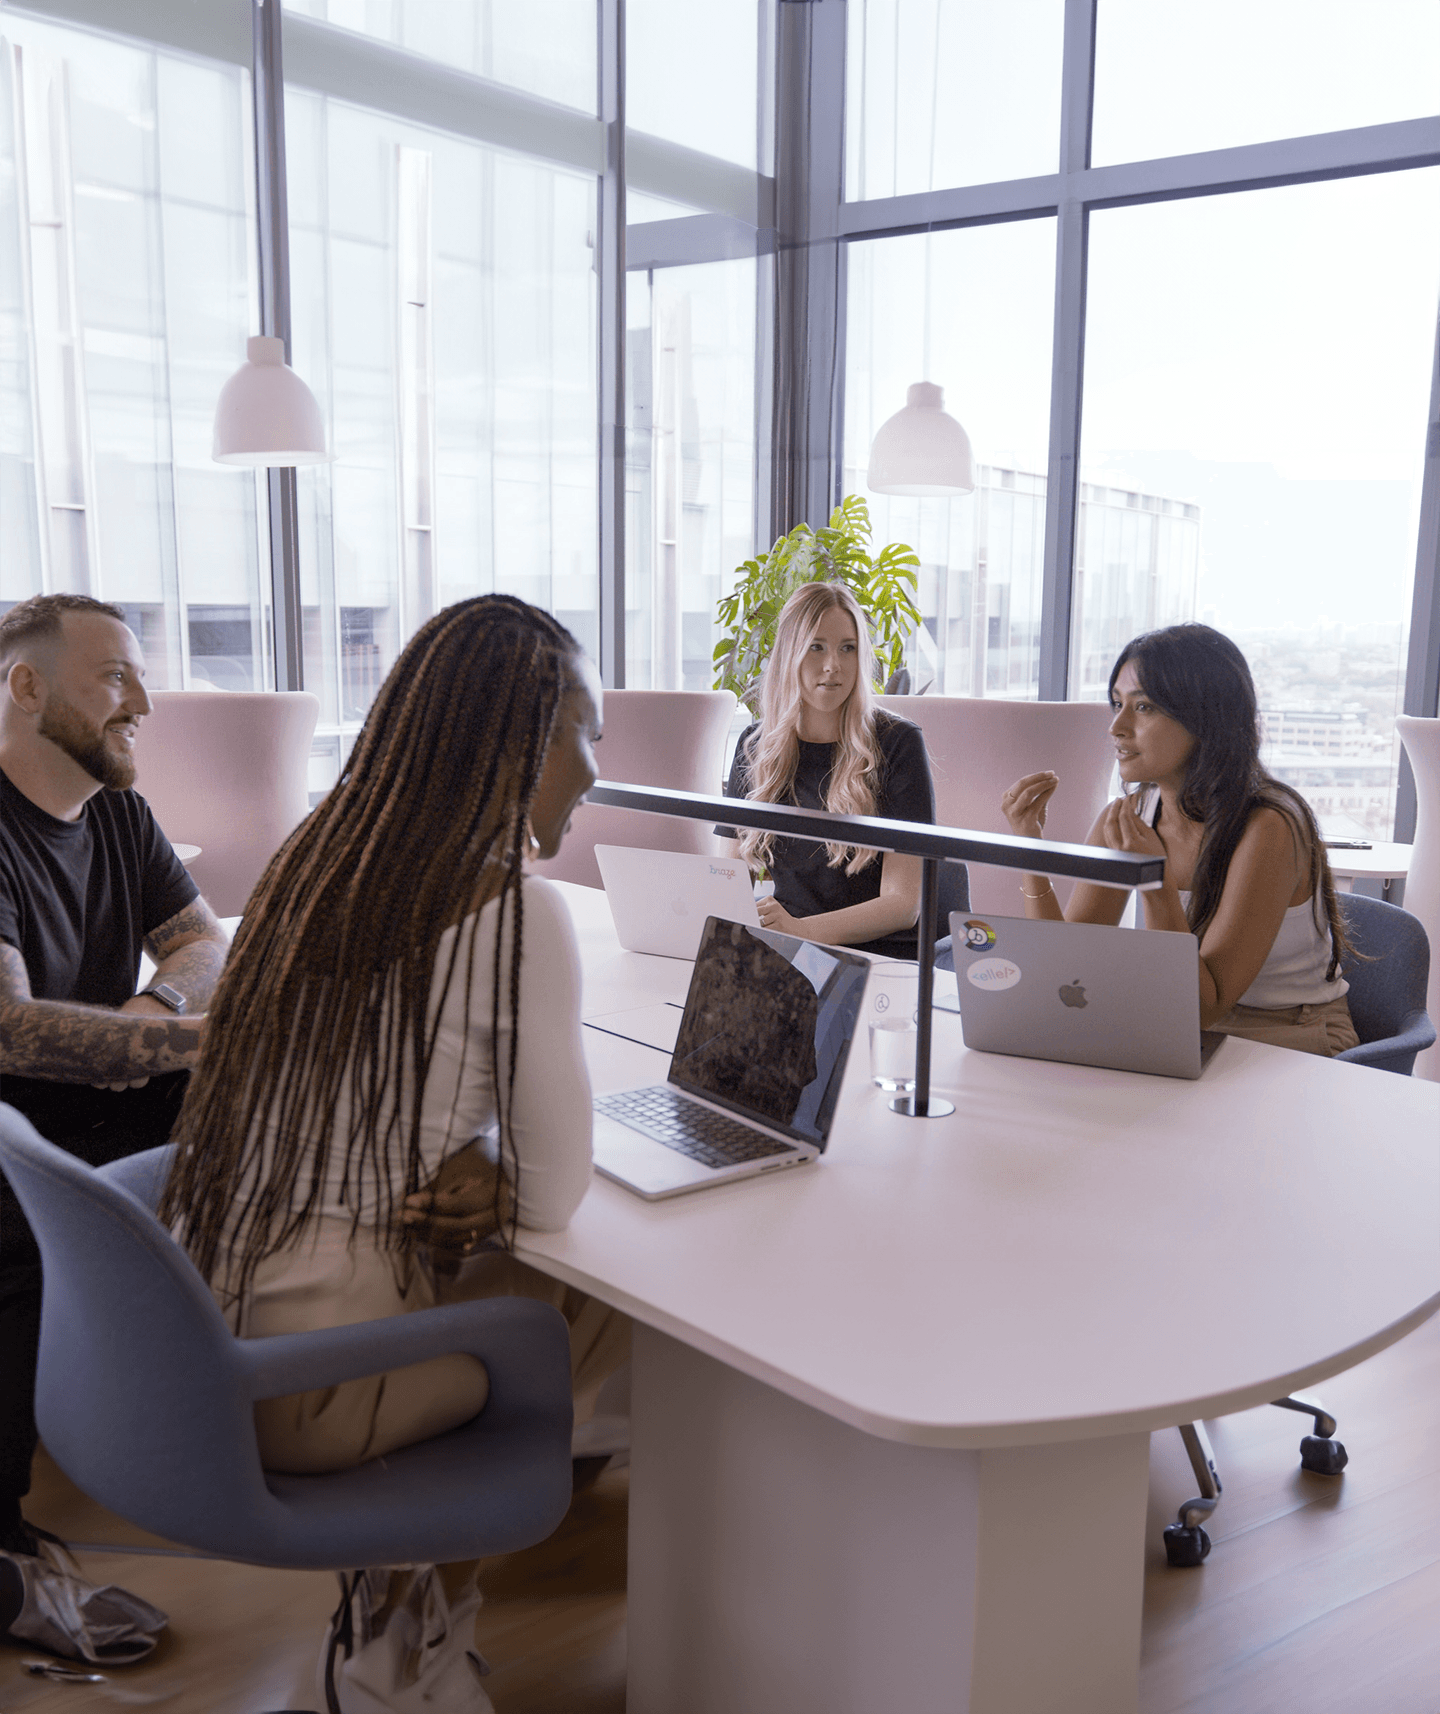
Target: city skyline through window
x=1266 y=357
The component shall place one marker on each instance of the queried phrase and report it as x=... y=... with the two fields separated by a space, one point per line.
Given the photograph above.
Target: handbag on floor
x=397 y=1646
x=50 y=1604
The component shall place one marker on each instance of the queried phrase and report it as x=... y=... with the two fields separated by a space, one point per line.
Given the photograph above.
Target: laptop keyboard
x=713 y=1139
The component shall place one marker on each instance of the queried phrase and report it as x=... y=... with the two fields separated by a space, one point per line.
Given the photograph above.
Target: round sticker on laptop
x=993 y=974
x=978 y=935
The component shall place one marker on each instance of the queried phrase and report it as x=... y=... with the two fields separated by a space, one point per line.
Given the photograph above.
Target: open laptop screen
x=767 y=1027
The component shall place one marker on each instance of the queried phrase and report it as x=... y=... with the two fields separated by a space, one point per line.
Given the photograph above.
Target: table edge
x=977 y=1436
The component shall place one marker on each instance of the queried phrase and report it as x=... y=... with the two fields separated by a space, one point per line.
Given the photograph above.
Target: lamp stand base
x=935 y=1108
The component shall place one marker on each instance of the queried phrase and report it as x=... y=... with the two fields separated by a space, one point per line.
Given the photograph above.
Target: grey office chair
x=1387 y=971
x=1387 y=984
x=144 y=1396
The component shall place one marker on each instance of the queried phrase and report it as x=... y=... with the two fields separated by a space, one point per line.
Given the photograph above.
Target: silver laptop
x=757 y=1068
x=660 y=899
x=1078 y=992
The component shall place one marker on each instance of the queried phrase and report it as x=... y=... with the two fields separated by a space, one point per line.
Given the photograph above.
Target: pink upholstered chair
x=227 y=771
x=980 y=745
x=672 y=738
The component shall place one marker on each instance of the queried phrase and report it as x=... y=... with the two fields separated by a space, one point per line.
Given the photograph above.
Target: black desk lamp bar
x=933 y=845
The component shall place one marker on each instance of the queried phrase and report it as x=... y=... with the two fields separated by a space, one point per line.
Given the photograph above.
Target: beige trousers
x=1325 y=1028
x=336 y=1428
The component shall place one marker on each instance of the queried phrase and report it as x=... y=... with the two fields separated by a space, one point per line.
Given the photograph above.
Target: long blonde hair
x=772 y=754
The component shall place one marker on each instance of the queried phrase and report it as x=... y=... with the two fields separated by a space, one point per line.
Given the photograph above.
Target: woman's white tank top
x=1294 y=973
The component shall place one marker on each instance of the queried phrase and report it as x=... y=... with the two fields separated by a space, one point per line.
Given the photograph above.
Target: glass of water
x=891 y=1001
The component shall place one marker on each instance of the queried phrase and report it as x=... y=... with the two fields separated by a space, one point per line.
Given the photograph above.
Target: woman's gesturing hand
x=1024 y=804
x=1125 y=830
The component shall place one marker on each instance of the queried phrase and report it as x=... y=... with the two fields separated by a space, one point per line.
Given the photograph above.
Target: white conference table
x=891 y=1413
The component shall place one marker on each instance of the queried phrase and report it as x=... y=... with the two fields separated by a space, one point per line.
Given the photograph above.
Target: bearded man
x=87 y=880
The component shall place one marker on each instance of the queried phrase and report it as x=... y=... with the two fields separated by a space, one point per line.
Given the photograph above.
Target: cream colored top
x=1294 y=972
x=331 y=1279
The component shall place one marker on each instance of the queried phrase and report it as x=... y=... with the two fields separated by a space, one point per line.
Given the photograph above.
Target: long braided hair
x=328 y=988
x=1199 y=678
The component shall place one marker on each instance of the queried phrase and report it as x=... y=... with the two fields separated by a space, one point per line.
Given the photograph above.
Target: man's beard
x=65 y=726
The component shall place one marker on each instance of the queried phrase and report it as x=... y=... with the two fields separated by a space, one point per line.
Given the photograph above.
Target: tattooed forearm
x=194 y=970
x=84 y=1044
x=189 y=952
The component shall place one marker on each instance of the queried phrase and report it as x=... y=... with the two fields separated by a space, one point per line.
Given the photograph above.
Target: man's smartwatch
x=166 y=995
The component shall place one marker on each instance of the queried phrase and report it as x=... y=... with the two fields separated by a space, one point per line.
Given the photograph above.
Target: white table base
x=783 y=1562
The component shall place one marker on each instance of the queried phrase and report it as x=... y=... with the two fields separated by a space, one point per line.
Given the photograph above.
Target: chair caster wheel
x=1185 y=1545
x=1324 y=1457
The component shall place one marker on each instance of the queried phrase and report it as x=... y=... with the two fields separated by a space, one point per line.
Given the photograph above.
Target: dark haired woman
x=1245 y=868
x=399 y=1022
x=821 y=743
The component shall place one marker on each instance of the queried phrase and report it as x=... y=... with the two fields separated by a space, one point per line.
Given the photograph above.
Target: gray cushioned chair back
x=1387 y=984
x=117 y=1408
x=146 y=1399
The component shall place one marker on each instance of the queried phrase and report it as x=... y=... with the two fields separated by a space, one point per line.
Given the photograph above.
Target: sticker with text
x=993 y=974
x=978 y=935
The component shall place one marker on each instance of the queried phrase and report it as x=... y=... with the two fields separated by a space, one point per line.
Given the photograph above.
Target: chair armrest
x=1416 y=1033
x=516 y=1338
x=143 y=1175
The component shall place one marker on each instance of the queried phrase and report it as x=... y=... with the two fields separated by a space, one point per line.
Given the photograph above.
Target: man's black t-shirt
x=805 y=884
x=77 y=899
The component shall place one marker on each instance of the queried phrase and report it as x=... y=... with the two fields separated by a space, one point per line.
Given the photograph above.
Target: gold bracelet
x=1049 y=887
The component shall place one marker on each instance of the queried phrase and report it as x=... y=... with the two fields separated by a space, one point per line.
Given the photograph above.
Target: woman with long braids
x=1245 y=868
x=821 y=743
x=397 y=1034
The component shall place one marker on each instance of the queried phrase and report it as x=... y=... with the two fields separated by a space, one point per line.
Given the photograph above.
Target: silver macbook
x=756 y=1072
x=660 y=899
x=1078 y=992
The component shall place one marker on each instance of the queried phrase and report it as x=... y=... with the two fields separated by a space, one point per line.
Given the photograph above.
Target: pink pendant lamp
x=921 y=450
x=266 y=414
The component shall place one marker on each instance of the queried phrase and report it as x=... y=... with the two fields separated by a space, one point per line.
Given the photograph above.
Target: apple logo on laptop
x=1073 y=994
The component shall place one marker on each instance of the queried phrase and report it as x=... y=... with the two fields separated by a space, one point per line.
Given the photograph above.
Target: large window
x=443 y=301
x=698 y=152
x=690 y=465
x=1171 y=79
x=970 y=310
x=1265 y=357
x=950 y=92
x=1210 y=398
x=126 y=293
x=1182 y=298
x=545 y=47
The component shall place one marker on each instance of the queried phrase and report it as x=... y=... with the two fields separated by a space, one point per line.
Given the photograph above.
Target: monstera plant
x=839 y=552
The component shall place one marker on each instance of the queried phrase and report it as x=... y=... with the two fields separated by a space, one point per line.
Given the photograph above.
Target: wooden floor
x=1321 y=1594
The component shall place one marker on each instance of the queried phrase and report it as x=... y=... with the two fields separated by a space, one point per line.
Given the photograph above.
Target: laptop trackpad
x=640 y=1163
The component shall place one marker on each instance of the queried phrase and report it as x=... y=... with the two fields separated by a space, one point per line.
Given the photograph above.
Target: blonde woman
x=821 y=743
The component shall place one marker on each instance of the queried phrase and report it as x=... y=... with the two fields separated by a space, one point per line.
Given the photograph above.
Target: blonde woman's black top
x=805 y=884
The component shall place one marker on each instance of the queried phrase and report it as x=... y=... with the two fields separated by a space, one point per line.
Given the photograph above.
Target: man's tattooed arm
x=189 y=953
x=85 y=1044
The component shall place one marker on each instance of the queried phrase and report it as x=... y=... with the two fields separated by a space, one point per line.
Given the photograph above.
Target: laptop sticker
x=993 y=974
x=978 y=935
